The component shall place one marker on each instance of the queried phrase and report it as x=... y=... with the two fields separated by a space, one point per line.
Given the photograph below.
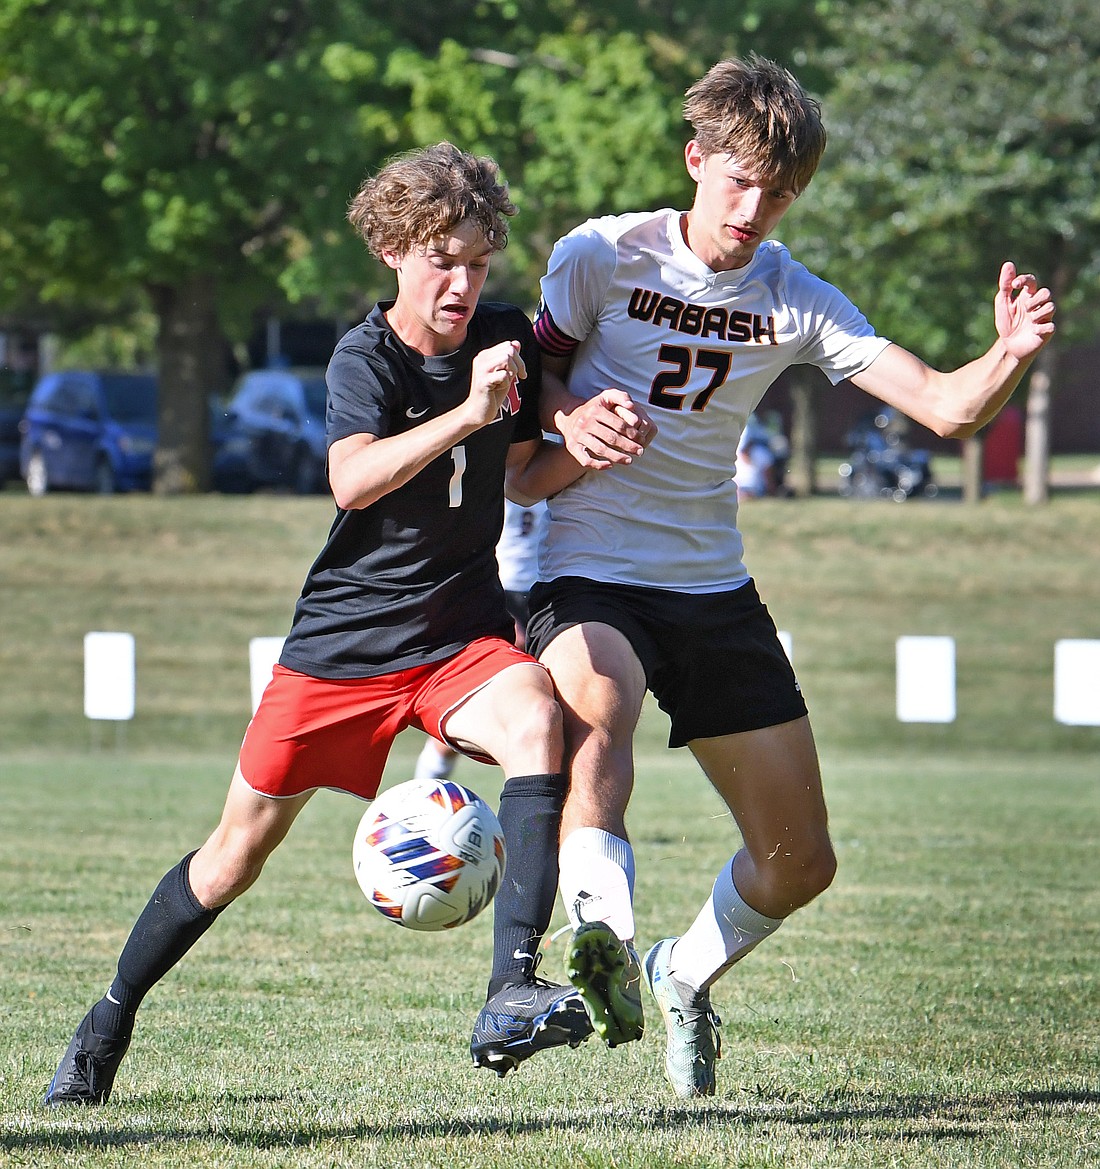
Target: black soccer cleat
x=525 y=1018
x=87 y=1070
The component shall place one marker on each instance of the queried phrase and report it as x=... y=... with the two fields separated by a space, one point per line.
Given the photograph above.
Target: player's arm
x=362 y=468
x=599 y=431
x=957 y=404
x=537 y=469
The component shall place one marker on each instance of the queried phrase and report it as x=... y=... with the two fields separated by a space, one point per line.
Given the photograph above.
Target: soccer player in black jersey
x=401 y=622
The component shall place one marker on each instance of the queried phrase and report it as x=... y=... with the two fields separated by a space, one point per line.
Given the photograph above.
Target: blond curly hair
x=421 y=195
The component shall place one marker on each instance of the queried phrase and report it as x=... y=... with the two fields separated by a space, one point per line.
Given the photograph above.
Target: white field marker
x=926 y=679
x=1077 y=682
x=263 y=653
x=109 y=676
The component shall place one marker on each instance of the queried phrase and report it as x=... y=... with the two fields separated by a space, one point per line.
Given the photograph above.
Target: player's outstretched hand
x=607 y=429
x=1023 y=312
x=493 y=376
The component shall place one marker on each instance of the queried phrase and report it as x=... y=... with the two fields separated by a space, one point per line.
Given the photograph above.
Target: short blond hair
x=756 y=111
x=422 y=195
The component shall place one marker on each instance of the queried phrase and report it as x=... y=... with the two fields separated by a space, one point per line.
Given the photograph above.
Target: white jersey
x=697 y=349
x=518 y=550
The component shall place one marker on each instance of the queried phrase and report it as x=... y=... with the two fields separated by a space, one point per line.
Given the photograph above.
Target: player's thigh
x=514 y=718
x=601 y=685
x=251 y=827
x=771 y=782
x=599 y=680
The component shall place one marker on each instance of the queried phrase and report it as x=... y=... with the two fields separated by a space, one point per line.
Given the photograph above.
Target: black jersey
x=412 y=578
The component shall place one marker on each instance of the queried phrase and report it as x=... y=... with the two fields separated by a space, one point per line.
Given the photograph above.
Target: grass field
x=195 y=578
x=937 y=1007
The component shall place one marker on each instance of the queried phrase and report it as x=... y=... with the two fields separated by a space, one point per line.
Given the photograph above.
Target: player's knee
x=600 y=751
x=222 y=875
x=787 y=881
x=535 y=727
x=814 y=874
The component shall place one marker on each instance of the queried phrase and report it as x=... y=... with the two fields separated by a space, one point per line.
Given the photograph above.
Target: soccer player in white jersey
x=518 y=558
x=690 y=316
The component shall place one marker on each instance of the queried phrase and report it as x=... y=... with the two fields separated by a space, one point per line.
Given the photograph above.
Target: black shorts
x=713 y=661
x=516 y=604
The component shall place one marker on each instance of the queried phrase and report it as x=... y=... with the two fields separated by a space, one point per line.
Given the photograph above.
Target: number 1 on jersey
x=454 y=491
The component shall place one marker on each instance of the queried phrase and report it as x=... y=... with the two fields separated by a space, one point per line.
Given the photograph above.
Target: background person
x=756 y=461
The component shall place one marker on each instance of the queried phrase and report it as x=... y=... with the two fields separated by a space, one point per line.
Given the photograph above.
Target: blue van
x=89 y=431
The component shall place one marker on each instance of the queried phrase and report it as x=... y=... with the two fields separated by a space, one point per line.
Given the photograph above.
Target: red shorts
x=310 y=732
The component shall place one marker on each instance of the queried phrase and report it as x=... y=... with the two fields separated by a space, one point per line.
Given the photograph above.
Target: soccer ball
x=429 y=854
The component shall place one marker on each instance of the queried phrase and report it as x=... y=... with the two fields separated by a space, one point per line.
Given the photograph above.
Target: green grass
x=195 y=578
x=937 y=1007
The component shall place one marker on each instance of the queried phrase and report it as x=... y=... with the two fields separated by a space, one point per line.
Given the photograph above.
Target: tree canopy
x=202 y=155
x=199 y=158
x=961 y=134
x=190 y=151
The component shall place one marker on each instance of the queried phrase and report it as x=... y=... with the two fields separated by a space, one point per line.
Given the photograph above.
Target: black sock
x=530 y=814
x=169 y=925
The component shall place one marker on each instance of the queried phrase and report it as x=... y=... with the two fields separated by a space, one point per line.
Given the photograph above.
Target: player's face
x=438 y=286
x=734 y=210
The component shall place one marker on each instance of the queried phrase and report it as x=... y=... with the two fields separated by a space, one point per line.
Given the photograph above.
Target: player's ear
x=694 y=159
x=391 y=258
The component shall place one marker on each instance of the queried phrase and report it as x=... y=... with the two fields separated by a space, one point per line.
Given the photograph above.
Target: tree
x=961 y=133
x=186 y=150
x=204 y=153
x=581 y=102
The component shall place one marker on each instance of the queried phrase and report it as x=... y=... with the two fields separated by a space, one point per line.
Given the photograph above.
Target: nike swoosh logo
x=412 y=413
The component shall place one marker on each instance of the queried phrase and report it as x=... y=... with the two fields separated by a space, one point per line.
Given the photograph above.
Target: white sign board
x=263 y=653
x=109 y=676
x=926 y=679
x=1077 y=682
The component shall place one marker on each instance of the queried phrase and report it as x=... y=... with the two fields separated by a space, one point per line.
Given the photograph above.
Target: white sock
x=430 y=764
x=723 y=933
x=597 y=880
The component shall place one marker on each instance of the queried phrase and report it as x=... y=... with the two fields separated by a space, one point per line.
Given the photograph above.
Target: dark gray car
x=275 y=433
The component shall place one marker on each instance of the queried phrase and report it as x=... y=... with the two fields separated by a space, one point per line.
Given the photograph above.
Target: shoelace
x=689 y=1016
x=549 y=941
x=536 y=963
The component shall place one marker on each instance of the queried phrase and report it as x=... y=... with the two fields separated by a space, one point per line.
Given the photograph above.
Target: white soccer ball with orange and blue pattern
x=429 y=854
